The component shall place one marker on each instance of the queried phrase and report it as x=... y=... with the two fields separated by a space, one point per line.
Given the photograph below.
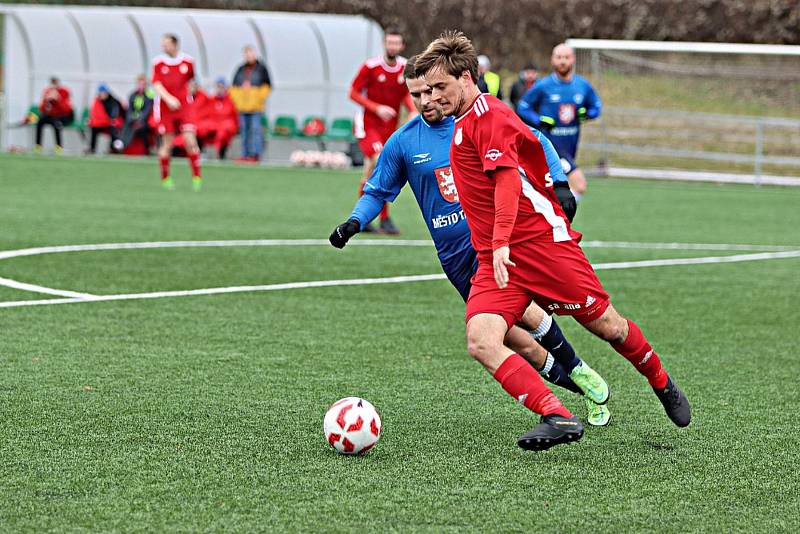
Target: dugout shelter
x=312 y=58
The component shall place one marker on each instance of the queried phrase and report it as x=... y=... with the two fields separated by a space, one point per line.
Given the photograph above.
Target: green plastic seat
x=285 y=126
x=341 y=130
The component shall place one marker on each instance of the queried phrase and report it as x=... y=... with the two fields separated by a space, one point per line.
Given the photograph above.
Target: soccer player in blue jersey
x=419 y=154
x=557 y=105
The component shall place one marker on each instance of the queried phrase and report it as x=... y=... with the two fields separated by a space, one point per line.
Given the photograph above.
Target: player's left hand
x=582 y=114
x=501 y=261
x=566 y=199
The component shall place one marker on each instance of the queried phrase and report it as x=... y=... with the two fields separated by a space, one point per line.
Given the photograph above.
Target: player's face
x=393 y=45
x=168 y=46
x=249 y=56
x=421 y=95
x=563 y=60
x=448 y=91
x=529 y=75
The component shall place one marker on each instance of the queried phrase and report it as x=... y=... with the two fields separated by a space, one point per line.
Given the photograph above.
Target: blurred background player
x=55 y=109
x=105 y=117
x=557 y=105
x=172 y=72
x=137 y=117
x=380 y=89
x=249 y=91
x=527 y=77
x=419 y=154
x=216 y=118
x=488 y=81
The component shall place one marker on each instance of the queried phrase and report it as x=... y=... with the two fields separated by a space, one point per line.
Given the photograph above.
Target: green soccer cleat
x=197 y=184
x=597 y=414
x=591 y=383
x=168 y=184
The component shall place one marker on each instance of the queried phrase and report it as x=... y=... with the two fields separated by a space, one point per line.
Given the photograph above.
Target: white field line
x=390 y=280
x=357 y=242
x=7 y=282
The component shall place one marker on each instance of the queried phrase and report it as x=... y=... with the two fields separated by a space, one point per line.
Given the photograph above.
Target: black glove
x=342 y=233
x=566 y=199
x=546 y=123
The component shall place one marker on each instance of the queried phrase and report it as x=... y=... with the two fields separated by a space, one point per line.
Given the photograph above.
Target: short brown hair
x=453 y=52
x=409 y=72
x=172 y=37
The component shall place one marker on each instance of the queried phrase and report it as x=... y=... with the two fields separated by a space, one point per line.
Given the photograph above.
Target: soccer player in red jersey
x=172 y=72
x=527 y=250
x=379 y=87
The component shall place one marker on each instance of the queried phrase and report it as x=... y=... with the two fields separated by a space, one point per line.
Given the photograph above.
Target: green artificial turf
x=205 y=413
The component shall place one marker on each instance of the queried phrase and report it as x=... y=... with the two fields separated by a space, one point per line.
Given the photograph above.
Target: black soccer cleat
x=552 y=430
x=388 y=227
x=675 y=403
x=368 y=229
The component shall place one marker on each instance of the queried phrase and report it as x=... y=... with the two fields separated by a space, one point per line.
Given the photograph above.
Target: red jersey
x=55 y=102
x=380 y=84
x=489 y=136
x=174 y=73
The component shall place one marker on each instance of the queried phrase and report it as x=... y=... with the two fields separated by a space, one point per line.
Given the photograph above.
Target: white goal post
x=718 y=111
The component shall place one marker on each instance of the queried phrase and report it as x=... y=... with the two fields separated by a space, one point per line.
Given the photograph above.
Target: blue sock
x=555 y=373
x=549 y=336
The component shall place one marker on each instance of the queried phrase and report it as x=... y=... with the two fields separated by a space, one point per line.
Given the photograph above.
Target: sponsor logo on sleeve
x=421 y=158
x=493 y=154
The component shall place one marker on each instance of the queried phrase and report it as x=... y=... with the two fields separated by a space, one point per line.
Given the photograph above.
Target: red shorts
x=170 y=121
x=557 y=276
x=374 y=138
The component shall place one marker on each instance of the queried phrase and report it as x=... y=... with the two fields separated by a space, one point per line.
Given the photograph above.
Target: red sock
x=638 y=351
x=163 y=162
x=521 y=381
x=194 y=164
x=385 y=211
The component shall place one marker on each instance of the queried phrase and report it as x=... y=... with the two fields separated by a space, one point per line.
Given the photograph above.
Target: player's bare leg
x=193 y=154
x=627 y=339
x=164 y=154
x=485 y=335
x=577 y=183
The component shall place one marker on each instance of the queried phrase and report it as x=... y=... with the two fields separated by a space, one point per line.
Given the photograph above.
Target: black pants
x=56 y=122
x=132 y=130
x=111 y=130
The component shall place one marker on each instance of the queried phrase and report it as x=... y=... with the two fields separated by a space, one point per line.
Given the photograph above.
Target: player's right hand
x=501 y=261
x=385 y=113
x=566 y=199
x=546 y=123
x=342 y=233
x=173 y=103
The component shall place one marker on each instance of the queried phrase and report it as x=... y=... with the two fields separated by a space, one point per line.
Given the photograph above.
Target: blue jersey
x=419 y=154
x=559 y=100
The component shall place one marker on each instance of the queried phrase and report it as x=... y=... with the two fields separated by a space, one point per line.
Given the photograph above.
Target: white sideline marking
x=74 y=297
x=234 y=289
x=41 y=289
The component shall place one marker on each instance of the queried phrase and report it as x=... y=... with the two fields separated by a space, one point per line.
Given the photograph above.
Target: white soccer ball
x=352 y=426
x=298 y=158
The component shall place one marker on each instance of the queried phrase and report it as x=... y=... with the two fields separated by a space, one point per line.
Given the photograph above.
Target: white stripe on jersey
x=542 y=204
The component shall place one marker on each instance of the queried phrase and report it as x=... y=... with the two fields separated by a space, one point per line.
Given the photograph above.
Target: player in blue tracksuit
x=419 y=154
x=557 y=105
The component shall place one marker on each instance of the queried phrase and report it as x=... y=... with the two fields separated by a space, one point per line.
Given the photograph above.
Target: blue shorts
x=568 y=163
x=459 y=270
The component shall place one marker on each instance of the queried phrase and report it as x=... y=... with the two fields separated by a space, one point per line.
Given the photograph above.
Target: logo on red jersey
x=164 y=69
x=493 y=154
x=184 y=68
x=458 y=137
x=381 y=77
x=447 y=186
x=566 y=113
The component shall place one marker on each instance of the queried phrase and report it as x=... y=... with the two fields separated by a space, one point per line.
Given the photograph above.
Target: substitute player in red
x=172 y=110
x=379 y=87
x=527 y=250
